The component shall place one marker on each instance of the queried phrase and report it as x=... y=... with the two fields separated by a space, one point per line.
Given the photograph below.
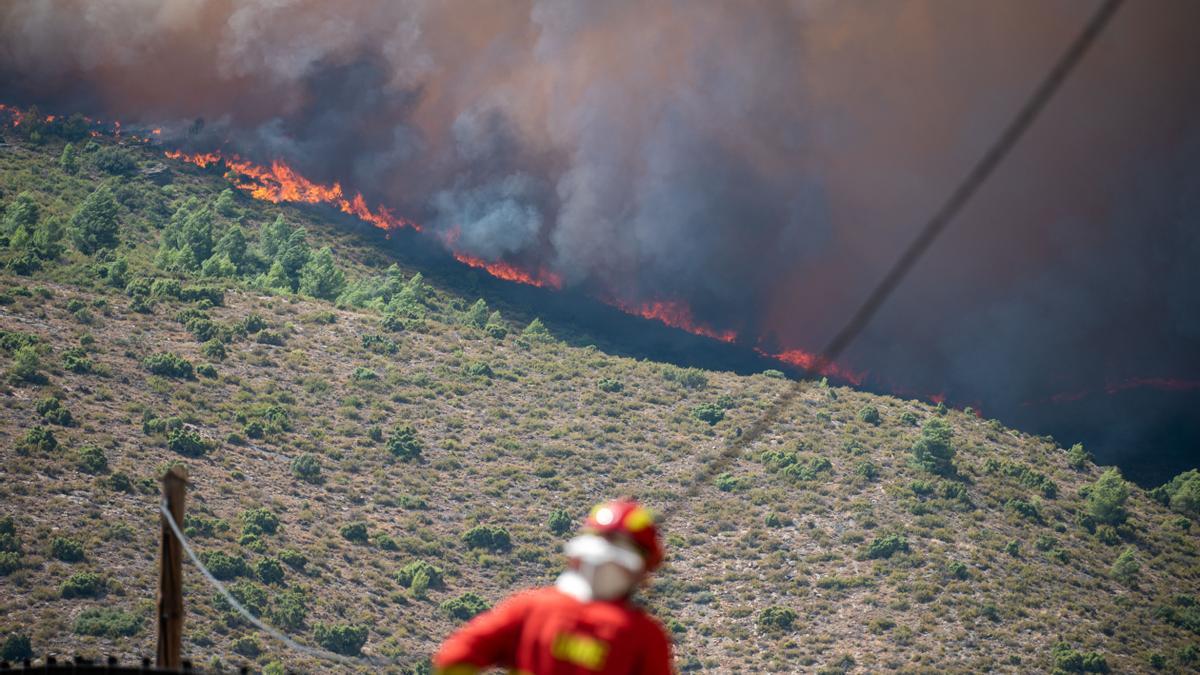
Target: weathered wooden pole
x=170 y=579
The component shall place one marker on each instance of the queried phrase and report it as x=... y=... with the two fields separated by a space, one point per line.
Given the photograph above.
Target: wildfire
x=810 y=361
x=281 y=183
x=502 y=270
x=673 y=314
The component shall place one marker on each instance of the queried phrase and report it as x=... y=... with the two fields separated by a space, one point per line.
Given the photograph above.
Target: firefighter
x=585 y=622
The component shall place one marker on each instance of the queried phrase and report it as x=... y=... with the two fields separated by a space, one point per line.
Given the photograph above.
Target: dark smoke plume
x=762 y=162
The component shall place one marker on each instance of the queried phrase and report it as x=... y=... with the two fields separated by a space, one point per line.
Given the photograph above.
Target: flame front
x=502 y=270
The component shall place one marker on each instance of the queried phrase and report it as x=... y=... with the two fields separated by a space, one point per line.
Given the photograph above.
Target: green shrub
x=307 y=467
x=187 y=443
x=269 y=337
x=728 y=483
x=886 y=546
x=488 y=537
x=907 y=418
x=464 y=606
x=107 y=622
x=380 y=344
x=958 y=570
x=206 y=370
x=934 y=452
x=610 y=385
x=361 y=374
x=1068 y=660
x=1106 y=498
x=867 y=469
x=345 y=639
x=26 y=366
x=773 y=374
x=1182 y=493
x=688 y=378
x=560 y=522
x=293 y=558
x=1077 y=457
x=776 y=618
x=82 y=585
x=268 y=570
x=224 y=566
x=51 y=409
x=16 y=648
x=38 y=438
x=1183 y=611
x=252 y=323
x=1024 y=509
x=94 y=223
x=479 y=369
x=355 y=532
x=708 y=412
x=77 y=361
x=869 y=414
x=66 y=550
x=213 y=349
x=410 y=572
x=1126 y=567
x=259 y=521
x=290 y=609
x=404 y=443
x=168 y=364
x=10 y=561
x=536 y=331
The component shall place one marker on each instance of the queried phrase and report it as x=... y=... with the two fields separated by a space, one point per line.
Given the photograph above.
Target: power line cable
x=975 y=178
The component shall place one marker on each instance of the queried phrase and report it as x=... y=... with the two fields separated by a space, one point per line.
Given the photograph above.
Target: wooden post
x=170 y=579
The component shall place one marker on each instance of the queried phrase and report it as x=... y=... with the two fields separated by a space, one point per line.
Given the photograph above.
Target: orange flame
x=674 y=314
x=501 y=270
x=810 y=361
x=281 y=183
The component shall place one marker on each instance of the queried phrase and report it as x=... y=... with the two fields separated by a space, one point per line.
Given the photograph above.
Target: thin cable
x=278 y=635
x=936 y=225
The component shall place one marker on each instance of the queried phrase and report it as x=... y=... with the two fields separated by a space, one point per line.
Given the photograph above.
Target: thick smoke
x=763 y=162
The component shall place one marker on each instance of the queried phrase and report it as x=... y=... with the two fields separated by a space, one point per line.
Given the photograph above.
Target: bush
x=26 y=365
x=773 y=374
x=1068 y=660
x=76 y=360
x=933 y=452
x=536 y=331
x=269 y=337
x=38 y=438
x=293 y=558
x=688 y=378
x=187 y=443
x=290 y=610
x=708 y=412
x=107 y=622
x=728 y=483
x=114 y=160
x=869 y=414
x=1106 y=498
x=886 y=546
x=1182 y=493
x=404 y=443
x=224 y=566
x=908 y=418
x=268 y=570
x=1183 y=611
x=94 y=224
x=1077 y=457
x=51 y=409
x=413 y=570
x=66 y=550
x=958 y=570
x=479 y=369
x=488 y=537
x=1126 y=567
x=82 y=585
x=342 y=638
x=867 y=469
x=610 y=385
x=320 y=277
x=307 y=467
x=16 y=648
x=776 y=618
x=169 y=364
x=10 y=561
x=464 y=606
x=1024 y=509
x=355 y=532
x=206 y=370
x=213 y=349
x=560 y=522
x=259 y=520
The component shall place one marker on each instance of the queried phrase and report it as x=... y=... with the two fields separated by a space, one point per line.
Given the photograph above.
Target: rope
x=255 y=621
x=975 y=178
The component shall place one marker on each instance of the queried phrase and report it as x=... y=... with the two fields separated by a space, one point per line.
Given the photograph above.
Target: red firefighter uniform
x=547 y=632
x=585 y=623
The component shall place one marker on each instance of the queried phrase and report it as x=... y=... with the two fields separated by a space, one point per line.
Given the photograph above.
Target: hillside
x=335 y=444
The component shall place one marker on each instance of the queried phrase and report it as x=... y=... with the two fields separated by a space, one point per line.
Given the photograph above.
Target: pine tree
x=273 y=237
x=320 y=276
x=69 y=160
x=477 y=315
x=232 y=245
x=294 y=254
x=276 y=278
x=1106 y=499
x=94 y=225
x=934 y=451
x=47 y=238
x=22 y=211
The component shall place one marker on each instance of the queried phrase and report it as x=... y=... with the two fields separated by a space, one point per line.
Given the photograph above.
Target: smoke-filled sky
x=762 y=161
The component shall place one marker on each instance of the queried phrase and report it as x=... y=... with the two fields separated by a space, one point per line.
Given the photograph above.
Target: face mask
x=603 y=570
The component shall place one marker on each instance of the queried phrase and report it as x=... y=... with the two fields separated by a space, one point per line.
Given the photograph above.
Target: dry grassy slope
x=507 y=450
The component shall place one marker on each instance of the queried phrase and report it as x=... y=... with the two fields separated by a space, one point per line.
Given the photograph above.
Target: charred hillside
x=379 y=447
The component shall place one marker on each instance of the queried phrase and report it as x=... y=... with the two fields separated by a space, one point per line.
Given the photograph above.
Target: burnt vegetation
x=377 y=456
